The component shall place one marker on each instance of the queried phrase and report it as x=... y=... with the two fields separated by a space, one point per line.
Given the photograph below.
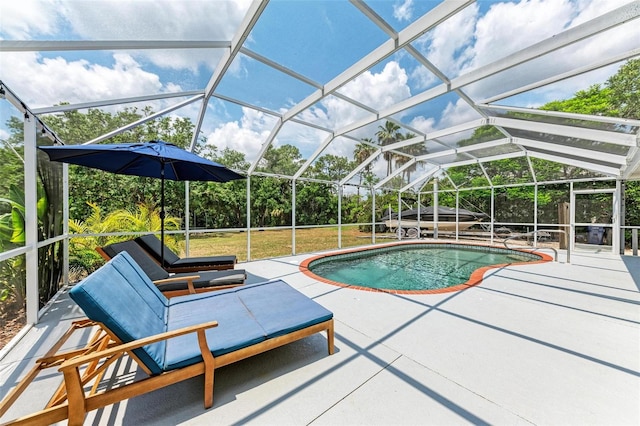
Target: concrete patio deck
x=551 y=343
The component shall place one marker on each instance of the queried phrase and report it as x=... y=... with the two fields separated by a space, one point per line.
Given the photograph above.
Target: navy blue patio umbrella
x=155 y=159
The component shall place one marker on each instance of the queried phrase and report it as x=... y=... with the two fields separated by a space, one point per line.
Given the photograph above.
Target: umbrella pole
x=162 y=215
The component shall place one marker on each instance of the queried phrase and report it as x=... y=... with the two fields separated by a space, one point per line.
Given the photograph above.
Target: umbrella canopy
x=156 y=159
x=149 y=159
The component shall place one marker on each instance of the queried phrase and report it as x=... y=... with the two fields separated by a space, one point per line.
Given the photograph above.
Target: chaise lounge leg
x=75 y=396
x=330 y=338
x=209 y=369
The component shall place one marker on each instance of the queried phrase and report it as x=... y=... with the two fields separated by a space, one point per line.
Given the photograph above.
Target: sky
x=315 y=39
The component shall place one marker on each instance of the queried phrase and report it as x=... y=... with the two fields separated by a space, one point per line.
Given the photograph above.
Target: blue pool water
x=413 y=267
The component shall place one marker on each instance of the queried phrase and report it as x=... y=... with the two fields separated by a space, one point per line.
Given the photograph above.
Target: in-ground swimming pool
x=420 y=268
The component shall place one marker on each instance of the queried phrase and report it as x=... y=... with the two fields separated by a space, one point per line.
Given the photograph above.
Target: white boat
x=428 y=225
x=447 y=216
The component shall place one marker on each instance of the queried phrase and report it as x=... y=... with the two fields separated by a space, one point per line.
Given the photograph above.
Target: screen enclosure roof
x=402 y=91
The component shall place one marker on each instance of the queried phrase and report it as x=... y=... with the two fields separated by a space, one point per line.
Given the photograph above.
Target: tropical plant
x=411 y=151
x=362 y=151
x=388 y=134
x=13 y=235
x=84 y=259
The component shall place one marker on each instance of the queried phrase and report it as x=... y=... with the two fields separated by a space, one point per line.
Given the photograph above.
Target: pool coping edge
x=475 y=278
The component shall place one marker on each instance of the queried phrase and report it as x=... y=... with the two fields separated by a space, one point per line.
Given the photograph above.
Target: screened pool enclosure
x=387 y=105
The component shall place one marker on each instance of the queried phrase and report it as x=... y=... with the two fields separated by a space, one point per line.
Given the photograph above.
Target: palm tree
x=400 y=161
x=360 y=154
x=412 y=151
x=388 y=134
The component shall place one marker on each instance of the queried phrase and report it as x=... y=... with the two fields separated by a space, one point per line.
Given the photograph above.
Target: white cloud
x=153 y=20
x=508 y=27
x=231 y=135
x=43 y=81
x=131 y=20
x=160 y=20
x=382 y=89
x=457 y=113
x=306 y=138
x=4 y=134
x=47 y=81
x=590 y=9
x=403 y=11
x=423 y=79
x=245 y=136
x=471 y=40
x=443 y=45
x=22 y=19
x=423 y=124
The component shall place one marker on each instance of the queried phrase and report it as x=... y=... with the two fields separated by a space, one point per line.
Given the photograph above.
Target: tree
x=624 y=90
x=388 y=134
x=11 y=156
x=49 y=206
x=362 y=151
x=316 y=203
x=216 y=205
x=619 y=97
x=282 y=160
x=331 y=167
x=270 y=202
x=109 y=190
x=593 y=101
x=411 y=151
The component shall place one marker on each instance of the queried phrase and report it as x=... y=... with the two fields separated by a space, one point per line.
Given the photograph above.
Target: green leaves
x=624 y=87
x=619 y=97
x=12 y=224
x=143 y=218
x=593 y=101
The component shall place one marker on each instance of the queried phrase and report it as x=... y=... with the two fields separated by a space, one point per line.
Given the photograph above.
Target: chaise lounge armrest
x=79 y=403
x=189 y=279
x=126 y=347
x=194 y=285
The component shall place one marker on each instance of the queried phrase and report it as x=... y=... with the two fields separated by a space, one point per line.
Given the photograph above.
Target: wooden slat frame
x=76 y=403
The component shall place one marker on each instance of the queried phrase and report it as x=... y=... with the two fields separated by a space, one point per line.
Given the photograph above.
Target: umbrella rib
x=125 y=166
x=173 y=168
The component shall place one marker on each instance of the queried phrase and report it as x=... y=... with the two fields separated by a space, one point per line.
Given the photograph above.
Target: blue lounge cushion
x=122 y=297
x=246 y=315
x=283 y=310
x=236 y=327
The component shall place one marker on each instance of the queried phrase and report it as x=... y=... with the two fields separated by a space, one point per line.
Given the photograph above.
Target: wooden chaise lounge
x=174 y=284
x=171 y=339
x=174 y=263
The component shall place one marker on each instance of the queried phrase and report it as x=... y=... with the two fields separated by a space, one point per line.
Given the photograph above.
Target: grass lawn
x=274 y=243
